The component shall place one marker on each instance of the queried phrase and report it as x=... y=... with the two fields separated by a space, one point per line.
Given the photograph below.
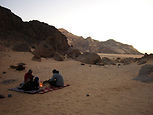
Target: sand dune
x=111 y=89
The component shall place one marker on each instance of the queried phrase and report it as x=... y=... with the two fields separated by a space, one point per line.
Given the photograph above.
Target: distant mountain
x=19 y=35
x=91 y=45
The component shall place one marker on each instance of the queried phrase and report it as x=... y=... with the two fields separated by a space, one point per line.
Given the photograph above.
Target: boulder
x=73 y=53
x=145 y=73
x=89 y=58
x=36 y=58
x=18 y=67
x=141 y=61
x=118 y=60
x=42 y=50
x=20 y=47
x=58 y=57
x=2 y=96
x=3 y=72
x=107 y=61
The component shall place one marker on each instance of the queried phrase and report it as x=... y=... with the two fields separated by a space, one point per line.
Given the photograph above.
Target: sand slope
x=111 y=89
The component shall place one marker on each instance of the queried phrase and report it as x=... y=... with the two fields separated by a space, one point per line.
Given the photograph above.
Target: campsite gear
x=28 y=86
x=46 y=90
x=41 y=84
x=9 y=95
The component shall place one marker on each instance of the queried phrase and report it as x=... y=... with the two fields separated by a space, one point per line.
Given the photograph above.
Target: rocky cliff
x=20 y=36
x=91 y=45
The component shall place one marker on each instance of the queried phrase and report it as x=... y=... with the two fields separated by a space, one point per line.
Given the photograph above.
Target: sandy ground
x=111 y=89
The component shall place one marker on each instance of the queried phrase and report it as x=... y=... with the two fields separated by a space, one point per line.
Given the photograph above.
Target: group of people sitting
x=32 y=83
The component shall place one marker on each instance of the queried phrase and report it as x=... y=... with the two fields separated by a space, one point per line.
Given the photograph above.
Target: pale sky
x=126 y=21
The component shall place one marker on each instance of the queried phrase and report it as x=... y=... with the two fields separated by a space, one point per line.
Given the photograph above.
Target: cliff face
x=19 y=35
x=91 y=45
x=9 y=21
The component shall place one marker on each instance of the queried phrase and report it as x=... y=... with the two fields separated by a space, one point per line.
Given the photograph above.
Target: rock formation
x=20 y=36
x=145 y=74
x=89 y=58
x=91 y=45
x=58 y=57
x=144 y=59
x=73 y=53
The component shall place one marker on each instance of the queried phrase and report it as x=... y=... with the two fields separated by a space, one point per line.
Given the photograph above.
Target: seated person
x=28 y=76
x=36 y=83
x=29 y=83
x=57 y=79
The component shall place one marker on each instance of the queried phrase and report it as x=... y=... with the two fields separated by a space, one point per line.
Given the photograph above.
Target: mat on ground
x=39 y=91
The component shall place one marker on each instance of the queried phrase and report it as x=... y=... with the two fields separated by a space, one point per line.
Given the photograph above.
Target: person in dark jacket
x=36 y=83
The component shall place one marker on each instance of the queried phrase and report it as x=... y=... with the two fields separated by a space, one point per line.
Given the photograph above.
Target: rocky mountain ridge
x=91 y=45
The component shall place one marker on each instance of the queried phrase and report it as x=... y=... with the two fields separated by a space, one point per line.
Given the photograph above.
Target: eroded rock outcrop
x=20 y=36
x=90 y=45
x=145 y=74
x=73 y=53
x=89 y=58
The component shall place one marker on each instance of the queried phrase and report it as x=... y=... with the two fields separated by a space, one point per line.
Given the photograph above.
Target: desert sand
x=110 y=88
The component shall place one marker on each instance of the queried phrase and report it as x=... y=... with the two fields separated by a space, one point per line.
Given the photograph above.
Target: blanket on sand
x=39 y=91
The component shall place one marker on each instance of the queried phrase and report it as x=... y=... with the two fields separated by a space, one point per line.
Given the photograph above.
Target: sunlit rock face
x=91 y=45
